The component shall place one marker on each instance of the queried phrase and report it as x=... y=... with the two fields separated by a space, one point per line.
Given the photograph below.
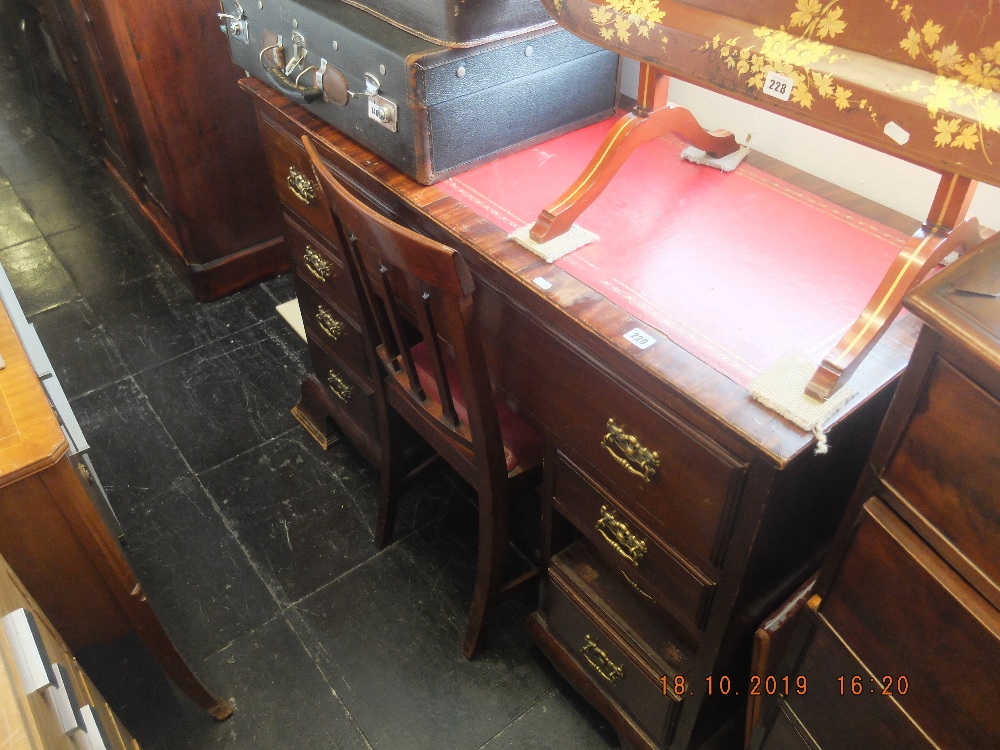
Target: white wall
x=884 y=179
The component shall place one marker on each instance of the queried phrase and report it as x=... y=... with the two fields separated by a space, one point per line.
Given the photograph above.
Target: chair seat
x=522 y=445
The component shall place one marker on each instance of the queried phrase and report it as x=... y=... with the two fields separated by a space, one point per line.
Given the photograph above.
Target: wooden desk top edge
x=601 y=322
x=32 y=439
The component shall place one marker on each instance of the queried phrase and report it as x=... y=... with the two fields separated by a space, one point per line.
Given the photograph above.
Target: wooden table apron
x=547 y=346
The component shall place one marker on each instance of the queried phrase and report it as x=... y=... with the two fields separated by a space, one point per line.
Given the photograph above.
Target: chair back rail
x=409 y=280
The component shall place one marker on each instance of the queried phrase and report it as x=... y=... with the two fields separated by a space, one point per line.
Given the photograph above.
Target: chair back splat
x=421 y=317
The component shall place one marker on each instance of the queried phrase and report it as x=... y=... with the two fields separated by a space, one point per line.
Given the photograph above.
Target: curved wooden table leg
x=920 y=254
x=630 y=132
x=147 y=626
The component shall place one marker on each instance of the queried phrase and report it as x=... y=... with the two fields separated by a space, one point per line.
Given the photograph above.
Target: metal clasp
x=381 y=110
x=237 y=25
x=299 y=52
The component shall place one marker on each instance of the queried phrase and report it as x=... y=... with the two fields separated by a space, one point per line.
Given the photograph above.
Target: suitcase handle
x=290 y=87
x=329 y=82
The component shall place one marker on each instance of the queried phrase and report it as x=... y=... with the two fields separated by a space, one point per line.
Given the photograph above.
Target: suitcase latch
x=236 y=24
x=299 y=52
x=381 y=110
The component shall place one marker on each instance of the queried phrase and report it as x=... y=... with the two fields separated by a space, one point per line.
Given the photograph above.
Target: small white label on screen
x=640 y=338
x=897 y=133
x=778 y=86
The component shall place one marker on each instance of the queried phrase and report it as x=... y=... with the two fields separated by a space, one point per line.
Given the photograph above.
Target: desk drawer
x=840 y=704
x=322 y=266
x=353 y=399
x=614 y=667
x=687 y=495
x=626 y=545
x=325 y=322
x=945 y=467
x=294 y=179
x=917 y=619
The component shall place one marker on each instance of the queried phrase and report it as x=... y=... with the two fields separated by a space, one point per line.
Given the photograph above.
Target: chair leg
x=391 y=479
x=492 y=556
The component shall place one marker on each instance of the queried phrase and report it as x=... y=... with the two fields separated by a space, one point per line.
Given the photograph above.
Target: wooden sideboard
x=53 y=535
x=901 y=641
x=158 y=91
x=734 y=520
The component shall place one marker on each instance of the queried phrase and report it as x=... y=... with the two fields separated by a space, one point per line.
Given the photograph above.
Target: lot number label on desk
x=778 y=86
x=640 y=338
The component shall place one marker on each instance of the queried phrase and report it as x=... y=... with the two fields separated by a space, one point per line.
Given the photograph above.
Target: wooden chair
x=440 y=386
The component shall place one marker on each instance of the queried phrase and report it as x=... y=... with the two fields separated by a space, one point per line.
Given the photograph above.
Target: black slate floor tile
x=60 y=202
x=16 y=225
x=281 y=699
x=36 y=159
x=281 y=288
x=105 y=254
x=198 y=579
x=132 y=453
x=154 y=319
x=558 y=721
x=38 y=278
x=229 y=396
x=81 y=353
x=291 y=514
x=388 y=634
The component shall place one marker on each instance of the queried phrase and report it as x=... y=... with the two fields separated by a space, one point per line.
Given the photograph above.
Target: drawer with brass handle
x=626 y=546
x=629 y=676
x=351 y=396
x=321 y=267
x=294 y=179
x=338 y=332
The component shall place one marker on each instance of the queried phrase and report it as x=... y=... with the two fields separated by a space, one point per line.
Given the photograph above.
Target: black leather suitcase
x=429 y=110
x=460 y=23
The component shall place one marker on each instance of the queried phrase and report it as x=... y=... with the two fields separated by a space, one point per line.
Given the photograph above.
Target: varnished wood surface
x=910 y=586
x=856 y=66
x=667 y=373
x=157 y=86
x=30 y=437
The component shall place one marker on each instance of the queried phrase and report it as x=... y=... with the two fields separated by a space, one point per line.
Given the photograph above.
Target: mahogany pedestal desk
x=53 y=536
x=901 y=639
x=732 y=521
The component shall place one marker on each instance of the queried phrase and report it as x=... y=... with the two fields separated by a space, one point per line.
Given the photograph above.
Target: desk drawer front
x=321 y=265
x=839 y=711
x=326 y=323
x=602 y=654
x=294 y=179
x=945 y=466
x=354 y=400
x=918 y=619
x=686 y=493
x=626 y=546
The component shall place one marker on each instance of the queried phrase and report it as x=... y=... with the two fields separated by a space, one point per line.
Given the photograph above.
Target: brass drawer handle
x=331 y=326
x=340 y=389
x=629 y=453
x=316 y=265
x=635 y=585
x=600 y=661
x=621 y=539
x=301 y=186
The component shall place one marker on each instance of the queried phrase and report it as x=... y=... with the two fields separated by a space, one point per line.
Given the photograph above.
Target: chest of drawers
x=67 y=714
x=680 y=512
x=902 y=637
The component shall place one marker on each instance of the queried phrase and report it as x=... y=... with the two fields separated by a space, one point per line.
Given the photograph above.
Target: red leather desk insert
x=738 y=269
